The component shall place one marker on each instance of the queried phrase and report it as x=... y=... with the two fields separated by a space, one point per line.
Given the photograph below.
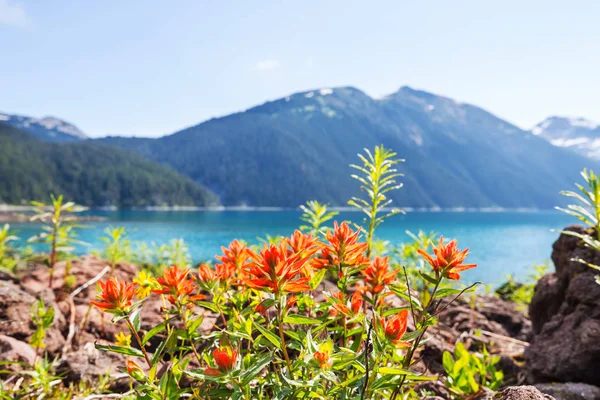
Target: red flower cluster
x=395 y=327
x=177 y=285
x=339 y=304
x=343 y=249
x=279 y=269
x=322 y=358
x=232 y=261
x=225 y=359
x=377 y=275
x=447 y=259
x=115 y=296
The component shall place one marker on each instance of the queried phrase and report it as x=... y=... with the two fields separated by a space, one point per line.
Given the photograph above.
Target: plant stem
x=282 y=337
x=139 y=341
x=52 y=255
x=185 y=326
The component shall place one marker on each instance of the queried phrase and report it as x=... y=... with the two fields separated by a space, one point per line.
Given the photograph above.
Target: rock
x=521 y=393
x=570 y=391
x=15 y=317
x=484 y=394
x=16 y=351
x=89 y=364
x=432 y=390
x=566 y=318
x=83 y=269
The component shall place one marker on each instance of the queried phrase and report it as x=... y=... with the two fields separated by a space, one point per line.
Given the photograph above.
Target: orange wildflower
x=233 y=259
x=343 y=249
x=377 y=275
x=356 y=301
x=135 y=371
x=225 y=359
x=115 y=296
x=395 y=327
x=277 y=271
x=447 y=259
x=340 y=305
x=322 y=357
x=177 y=285
x=305 y=246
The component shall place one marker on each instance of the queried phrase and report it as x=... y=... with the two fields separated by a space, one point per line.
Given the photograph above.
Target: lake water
x=501 y=243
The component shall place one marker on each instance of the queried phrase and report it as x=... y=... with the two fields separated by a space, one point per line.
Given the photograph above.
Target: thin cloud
x=268 y=65
x=14 y=14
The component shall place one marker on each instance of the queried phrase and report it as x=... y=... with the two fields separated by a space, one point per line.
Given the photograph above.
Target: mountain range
x=293 y=149
x=577 y=134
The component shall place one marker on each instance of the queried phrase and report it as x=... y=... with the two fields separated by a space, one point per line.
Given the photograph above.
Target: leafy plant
x=59 y=228
x=521 y=293
x=469 y=373
x=117 y=247
x=42 y=318
x=8 y=256
x=588 y=211
x=315 y=215
x=378 y=177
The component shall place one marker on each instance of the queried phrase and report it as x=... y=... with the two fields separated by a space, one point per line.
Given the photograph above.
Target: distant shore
x=22 y=213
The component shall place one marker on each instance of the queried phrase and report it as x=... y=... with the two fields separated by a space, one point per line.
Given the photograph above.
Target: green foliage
x=8 y=255
x=90 y=173
x=521 y=293
x=42 y=318
x=315 y=215
x=378 y=178
x=154 y=257
x=468 y=373
x=117 y=247
x=58 y=230
x=588 y=211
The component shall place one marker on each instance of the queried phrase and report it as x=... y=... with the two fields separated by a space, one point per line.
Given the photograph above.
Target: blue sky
x=148 y=68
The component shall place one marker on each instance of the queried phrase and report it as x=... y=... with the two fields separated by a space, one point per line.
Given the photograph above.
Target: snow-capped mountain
x=50 y=129
x=578 y=134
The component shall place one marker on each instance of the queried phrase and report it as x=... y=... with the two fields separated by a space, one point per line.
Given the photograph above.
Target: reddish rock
x=566 y=315
x=16 y=351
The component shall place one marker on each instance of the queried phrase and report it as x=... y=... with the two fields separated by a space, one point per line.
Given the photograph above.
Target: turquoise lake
x=501 y=243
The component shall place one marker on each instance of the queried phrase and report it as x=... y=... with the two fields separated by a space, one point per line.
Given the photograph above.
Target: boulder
x=570 y=391
x=15 y=317
x=521 y=393
x=16 y=351
x=565 y=312
x=90 y=364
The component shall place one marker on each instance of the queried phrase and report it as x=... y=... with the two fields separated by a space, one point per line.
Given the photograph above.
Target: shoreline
x=15 y=209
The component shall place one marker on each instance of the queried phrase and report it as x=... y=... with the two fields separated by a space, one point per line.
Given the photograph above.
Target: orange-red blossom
x=225 y=359
x=447 y=259
x=277 y=270
x=177 y=285
x=322 y=358
x=115 y=296
x=232 y=261
x=339 y=304
x=395 y=327
x=377 y=275
x=343 y=249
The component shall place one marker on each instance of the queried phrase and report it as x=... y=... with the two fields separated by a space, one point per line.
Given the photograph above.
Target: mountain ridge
x=298 y=147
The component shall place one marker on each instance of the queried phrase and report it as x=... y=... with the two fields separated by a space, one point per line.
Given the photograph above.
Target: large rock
x=21 y=353
x=565 y=312
x=570 y=391
x=521 y=393
x=89 y=364
x=15 y=317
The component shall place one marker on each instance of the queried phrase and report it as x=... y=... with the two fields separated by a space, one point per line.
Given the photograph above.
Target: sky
x=149 y=68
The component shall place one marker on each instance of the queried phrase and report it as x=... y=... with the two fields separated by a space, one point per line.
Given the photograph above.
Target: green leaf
x=300 y=320
x=135 y=319
x=255 y=369
x=129 y=351
x=270 y=336
x=208 y=305
x=153 y=332
x=393 y=371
